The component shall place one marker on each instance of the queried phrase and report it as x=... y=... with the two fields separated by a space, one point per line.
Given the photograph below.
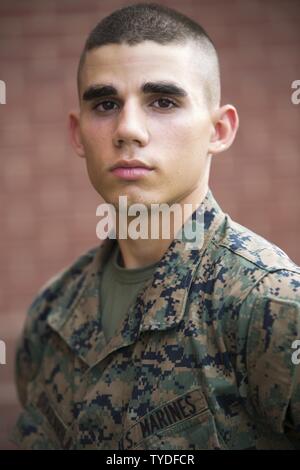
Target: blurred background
x=48 y=206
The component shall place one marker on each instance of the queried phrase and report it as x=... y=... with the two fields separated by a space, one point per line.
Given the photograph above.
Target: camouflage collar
x=160 y=306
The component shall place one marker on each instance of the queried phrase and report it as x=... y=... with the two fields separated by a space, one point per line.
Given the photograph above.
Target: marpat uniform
x=202 y=359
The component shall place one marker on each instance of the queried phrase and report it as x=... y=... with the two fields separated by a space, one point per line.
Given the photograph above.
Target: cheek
x=187 y=146
x=199 y=133
x=187 y=132
x=94 y=136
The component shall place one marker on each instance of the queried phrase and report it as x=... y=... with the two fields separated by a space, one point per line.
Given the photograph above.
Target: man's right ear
x=75 y=134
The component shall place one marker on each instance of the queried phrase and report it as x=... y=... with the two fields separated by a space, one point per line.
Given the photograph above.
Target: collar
x=159 y=306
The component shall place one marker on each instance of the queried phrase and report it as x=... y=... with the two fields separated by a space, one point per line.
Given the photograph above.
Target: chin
x=134 y=196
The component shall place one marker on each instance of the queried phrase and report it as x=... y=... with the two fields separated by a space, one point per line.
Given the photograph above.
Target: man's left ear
x=225 y=123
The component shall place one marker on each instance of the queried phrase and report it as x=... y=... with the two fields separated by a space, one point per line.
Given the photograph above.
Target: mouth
x=130 y=169
x=131 y=173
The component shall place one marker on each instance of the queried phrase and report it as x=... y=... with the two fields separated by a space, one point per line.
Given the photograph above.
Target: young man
x=153 y=343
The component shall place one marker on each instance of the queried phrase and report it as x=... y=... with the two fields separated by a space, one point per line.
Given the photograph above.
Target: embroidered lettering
x=181 y=408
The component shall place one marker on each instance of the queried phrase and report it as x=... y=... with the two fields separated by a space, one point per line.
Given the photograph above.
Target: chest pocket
x=182 y=423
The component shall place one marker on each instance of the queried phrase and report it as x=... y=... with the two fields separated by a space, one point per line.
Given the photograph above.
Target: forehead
x=129 y=66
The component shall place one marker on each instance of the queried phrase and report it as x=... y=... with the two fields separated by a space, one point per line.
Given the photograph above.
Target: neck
x=142 y=252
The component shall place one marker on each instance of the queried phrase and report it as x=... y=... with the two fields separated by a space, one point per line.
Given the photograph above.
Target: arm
x=274 y=380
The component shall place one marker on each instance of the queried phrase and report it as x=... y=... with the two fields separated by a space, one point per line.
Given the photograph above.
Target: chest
x=169 y=389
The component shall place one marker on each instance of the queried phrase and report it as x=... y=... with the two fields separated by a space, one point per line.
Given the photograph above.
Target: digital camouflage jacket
x=202 y=360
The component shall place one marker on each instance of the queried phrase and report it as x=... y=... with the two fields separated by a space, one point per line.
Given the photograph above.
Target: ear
x=75 y=134
x=226 y=122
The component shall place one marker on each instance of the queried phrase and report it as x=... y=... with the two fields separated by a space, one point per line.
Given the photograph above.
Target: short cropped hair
x=140 y=22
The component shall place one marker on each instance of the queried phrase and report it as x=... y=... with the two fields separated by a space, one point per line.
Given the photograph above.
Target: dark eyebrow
x=165 y=88
x=98 y=91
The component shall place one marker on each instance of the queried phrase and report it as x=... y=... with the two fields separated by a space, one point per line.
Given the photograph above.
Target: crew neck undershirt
x=119 y=289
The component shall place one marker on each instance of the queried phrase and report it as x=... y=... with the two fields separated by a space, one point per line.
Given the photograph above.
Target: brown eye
x=165 y=103
x=107 y=106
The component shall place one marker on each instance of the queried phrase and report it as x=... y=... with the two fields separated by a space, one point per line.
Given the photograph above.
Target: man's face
x=167 y=132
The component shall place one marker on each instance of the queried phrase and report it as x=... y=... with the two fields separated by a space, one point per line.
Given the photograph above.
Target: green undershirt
x=119 y=288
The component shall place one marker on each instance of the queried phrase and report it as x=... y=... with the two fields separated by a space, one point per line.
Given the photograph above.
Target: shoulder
x=239 y=260
x=267 y=271
x=241 y=242
x=251 y=288
x=238 y=265
x=262 y=281
x=251 y=283
x=64 y=280
x=60 y=289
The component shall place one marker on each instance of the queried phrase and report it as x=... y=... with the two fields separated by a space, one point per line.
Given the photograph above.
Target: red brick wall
x=47 y=205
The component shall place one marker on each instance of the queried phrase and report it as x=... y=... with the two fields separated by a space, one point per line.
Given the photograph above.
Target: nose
x=131 y=127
